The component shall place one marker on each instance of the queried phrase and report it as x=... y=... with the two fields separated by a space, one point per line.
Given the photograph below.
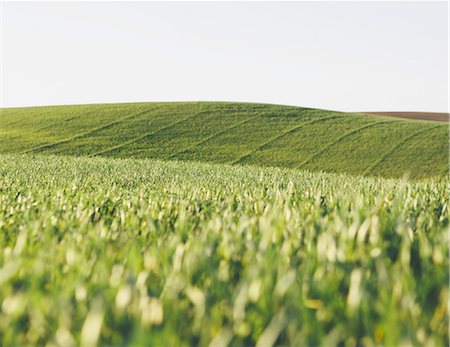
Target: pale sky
x=346 y=56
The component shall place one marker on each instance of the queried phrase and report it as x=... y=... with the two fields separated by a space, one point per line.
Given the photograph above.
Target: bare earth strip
x=431 y=116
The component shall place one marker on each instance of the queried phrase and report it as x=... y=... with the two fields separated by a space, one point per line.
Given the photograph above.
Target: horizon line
x=228 y=101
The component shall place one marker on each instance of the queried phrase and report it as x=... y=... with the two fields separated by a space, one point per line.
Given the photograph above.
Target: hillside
x=235 y=133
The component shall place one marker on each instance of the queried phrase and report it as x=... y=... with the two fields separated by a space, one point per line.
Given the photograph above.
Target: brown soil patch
x=434 y=116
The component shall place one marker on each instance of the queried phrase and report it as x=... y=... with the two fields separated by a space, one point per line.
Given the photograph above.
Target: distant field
x=431 y=116
x=112 y=252
x=234 y=133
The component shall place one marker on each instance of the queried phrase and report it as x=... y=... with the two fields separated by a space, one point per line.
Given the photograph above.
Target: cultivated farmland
x=215 y=224
x=234 y=133
x=144 y=252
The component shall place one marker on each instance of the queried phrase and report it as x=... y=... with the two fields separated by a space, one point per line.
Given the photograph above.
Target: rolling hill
x=235 y=133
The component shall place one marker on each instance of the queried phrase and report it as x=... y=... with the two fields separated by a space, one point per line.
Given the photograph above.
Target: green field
x=232 y=133
x=216 y=224
x=152 y=253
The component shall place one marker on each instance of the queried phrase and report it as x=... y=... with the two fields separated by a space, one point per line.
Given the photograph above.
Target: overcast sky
x=349 y=56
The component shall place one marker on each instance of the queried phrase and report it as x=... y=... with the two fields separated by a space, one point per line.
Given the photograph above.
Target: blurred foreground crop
x=98 y=251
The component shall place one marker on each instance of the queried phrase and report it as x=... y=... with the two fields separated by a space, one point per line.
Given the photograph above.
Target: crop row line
x=139 y=138
x=370 y=168
x=339 y=139
x=223 y=131
x=65 y=120
x=23 y=117
x=80 y=135
x=276 y=138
